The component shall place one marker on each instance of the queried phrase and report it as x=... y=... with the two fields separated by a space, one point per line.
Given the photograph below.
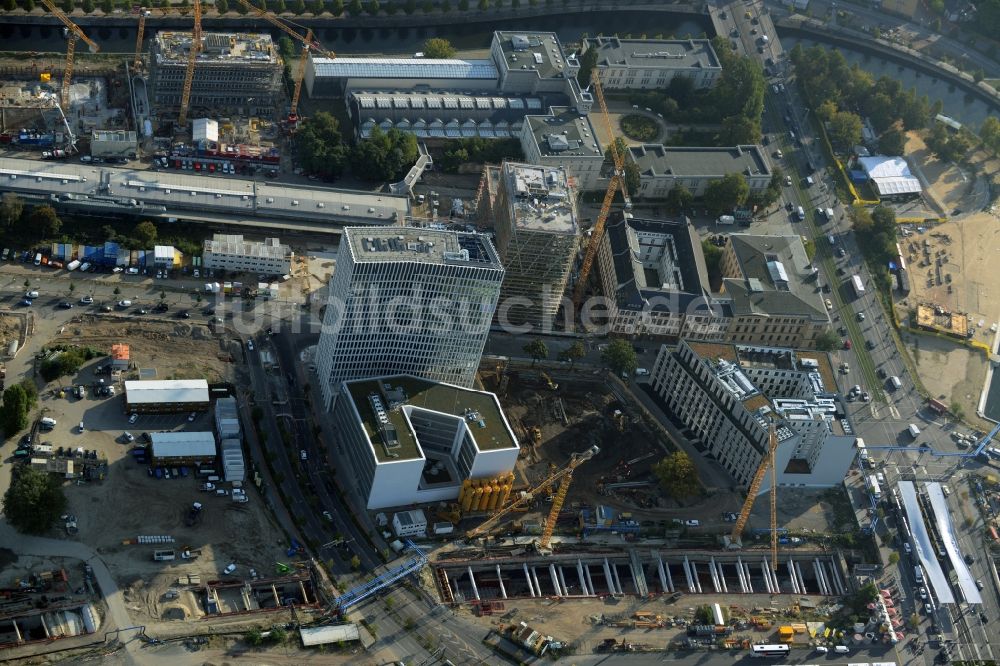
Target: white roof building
x=205 y=129
x=890 y=175
x=182 y=444
x=333 y=633
x=147 y=393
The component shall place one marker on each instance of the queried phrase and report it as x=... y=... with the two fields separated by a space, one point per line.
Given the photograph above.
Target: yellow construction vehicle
x=553 y=386
x=562 y=476
x=735 y=538
x=73 y=33
x=308 y=44
x=616 y=183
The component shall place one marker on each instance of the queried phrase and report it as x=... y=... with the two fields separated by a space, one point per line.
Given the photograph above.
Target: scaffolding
x=358 y=594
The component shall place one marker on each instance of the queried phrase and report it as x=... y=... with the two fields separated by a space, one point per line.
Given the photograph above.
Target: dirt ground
x=10 y=330
x=968 y=246
x=177 y=350
x=629 y=450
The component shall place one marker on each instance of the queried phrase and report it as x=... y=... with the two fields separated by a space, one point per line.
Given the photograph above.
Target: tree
x=241 y=8
x=14 y=411
x=44 y=222
x=66 y=362
x=67 y=5
x=384 y=156
x=163 y=294
x=374 y=7
x=29 y=6
x=845 y=128
x=427 y=7
x=678 y=475
x=989 y=132
x=87 y=6
x=573 y=353
x=222 y=6
x=893 y=558
x=537 y=350
x=435 y=47
x=117 y=291
x=336 y=7
x=11 y=207
x=827 y=341
x=355 y=562
x=483 y=5
x=739 y=131
x=445 y=6
x=145 y=234
x=254 y=637
x=320 y=146
x=34 y=501
x=826 y=111
x=300 y=7
x=280 y=7
x=892 y=142
x=107 y=6
x=713 y=260
x=956 y=410
x=726 y=193
x=620 y=356
x=679 y=199
x=914 y=622
x=72 y=287
x=355 y=8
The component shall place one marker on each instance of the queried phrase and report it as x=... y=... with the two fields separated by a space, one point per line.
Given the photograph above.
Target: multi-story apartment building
x=773 y=291
x=231 y=252
x=236 y=72
x=726 y=396
x=534 y=216
x=407 y=300
x=653 y=275
x=640 y=64
x=411 y=441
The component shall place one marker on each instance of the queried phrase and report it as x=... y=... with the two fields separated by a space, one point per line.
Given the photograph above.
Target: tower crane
x=308 y=44
x=563 y=476
x=617 y=182
x=767 y=463
x=192 y=58
x=75 y=32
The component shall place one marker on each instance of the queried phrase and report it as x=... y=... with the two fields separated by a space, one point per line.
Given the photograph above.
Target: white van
x=800 y=213
x=896 y=384
x=47 y=422
x=641 y=372
x=38 y=259
x=841 y=649
x=914 y=430
x=809 y=181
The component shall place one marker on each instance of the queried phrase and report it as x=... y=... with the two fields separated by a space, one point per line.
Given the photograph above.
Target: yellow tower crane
x=617 y=182
x=735 y=538
x=74 y=33
x=308 y=44
x=192 y=58
x=563 y=476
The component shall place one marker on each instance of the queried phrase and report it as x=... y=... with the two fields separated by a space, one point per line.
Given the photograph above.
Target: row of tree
x=18 y=401
x=841 y=93
x=383 y=156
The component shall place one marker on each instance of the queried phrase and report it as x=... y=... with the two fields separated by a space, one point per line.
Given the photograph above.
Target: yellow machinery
x=192 y=58
x=308 y=44
x=758 y=477
x=562 y=476
x=553 y=386
x=74 y=33
x=617 y=182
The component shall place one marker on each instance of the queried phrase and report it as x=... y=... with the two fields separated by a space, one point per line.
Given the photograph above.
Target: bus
x=769 y=650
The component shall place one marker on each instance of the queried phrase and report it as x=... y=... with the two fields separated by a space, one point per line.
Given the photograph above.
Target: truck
x=73 y=265
x=190 y=553
x=857 y=285
x=163 y=555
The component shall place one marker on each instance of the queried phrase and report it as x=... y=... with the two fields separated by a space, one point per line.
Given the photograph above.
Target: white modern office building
x=412 y=441
x=231 y=252
x=564 y=138
x=725 y=397
x=408 y=300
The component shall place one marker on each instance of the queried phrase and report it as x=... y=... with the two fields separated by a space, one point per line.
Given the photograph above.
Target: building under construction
x=236 y=73
x=532 y=209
